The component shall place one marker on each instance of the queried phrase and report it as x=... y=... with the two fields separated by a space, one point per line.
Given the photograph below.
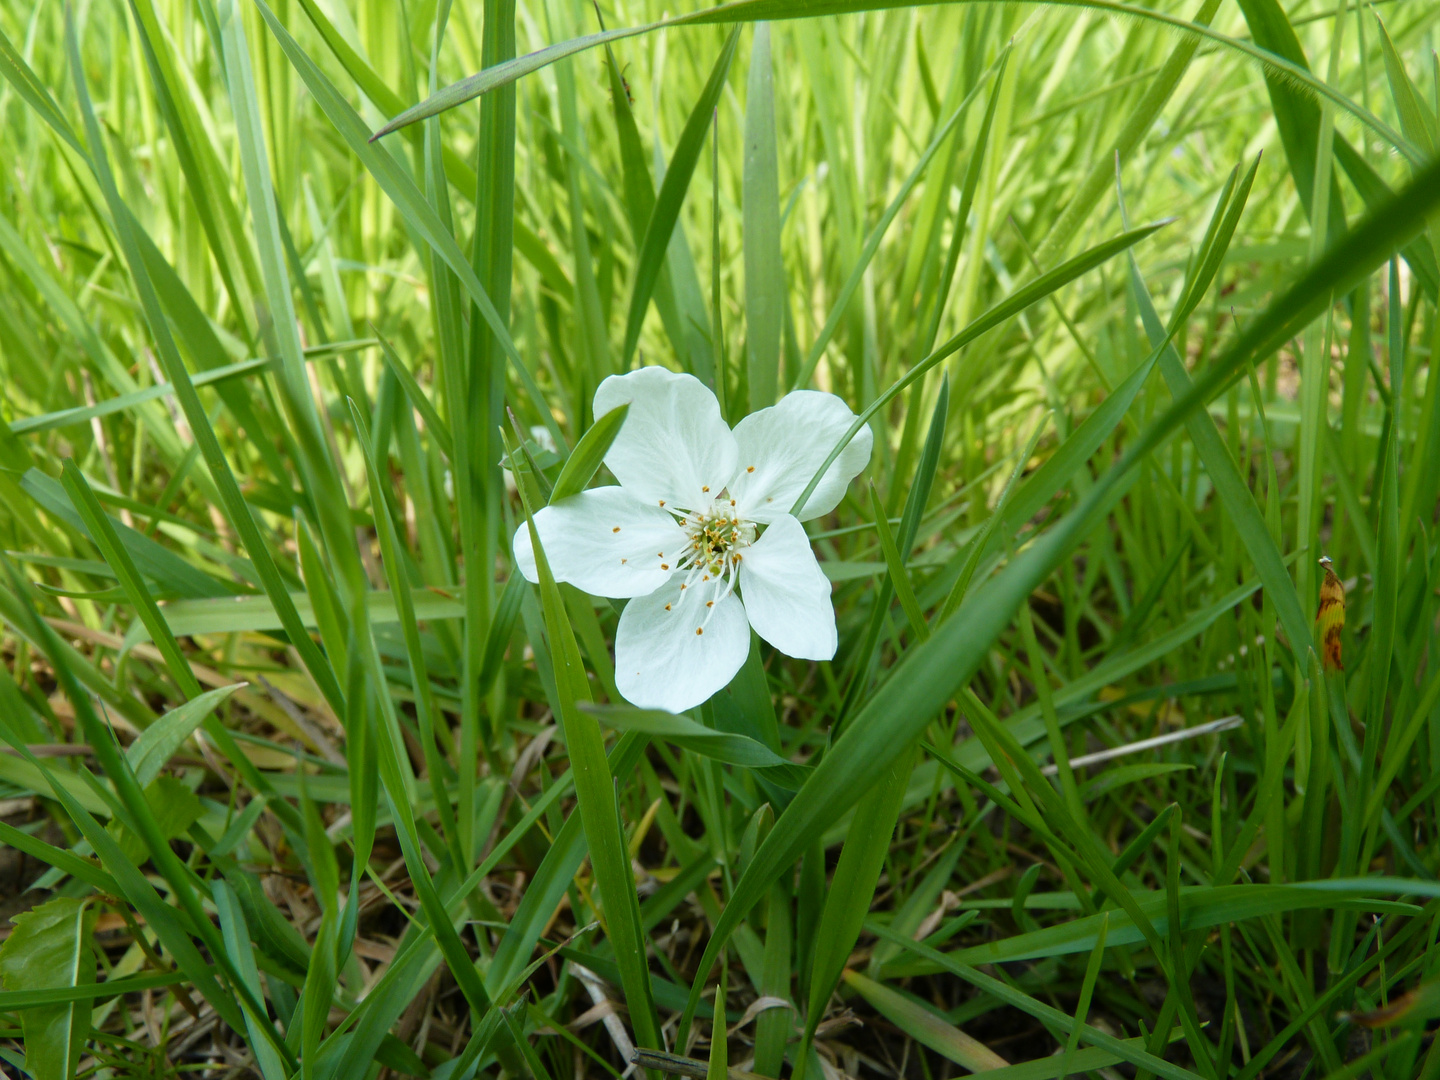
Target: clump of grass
x=304 y=779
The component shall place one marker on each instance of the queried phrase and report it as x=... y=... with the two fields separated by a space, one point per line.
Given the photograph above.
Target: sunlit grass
x=303 y=766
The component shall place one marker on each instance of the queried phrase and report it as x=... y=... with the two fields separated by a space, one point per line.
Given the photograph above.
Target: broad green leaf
x=149 y=753
x=50 y=948
x=589 y=454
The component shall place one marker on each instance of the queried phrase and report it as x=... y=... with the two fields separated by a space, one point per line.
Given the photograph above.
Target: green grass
x=304 y=780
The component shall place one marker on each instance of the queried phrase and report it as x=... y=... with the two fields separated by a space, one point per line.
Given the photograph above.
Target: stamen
x=615 y=529
x=749 y=470
x=699 y=630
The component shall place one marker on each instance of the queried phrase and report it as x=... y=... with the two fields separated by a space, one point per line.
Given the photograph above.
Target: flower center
x=717 y=536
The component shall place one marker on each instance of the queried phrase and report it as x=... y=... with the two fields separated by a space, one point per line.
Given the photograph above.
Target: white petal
x=782 y=446
x=604 y=541
x=674 y=445
x=662 y=663
x=787 y=595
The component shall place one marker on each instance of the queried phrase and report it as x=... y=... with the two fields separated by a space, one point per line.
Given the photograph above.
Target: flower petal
x=674 y=449
x=604 y=541
x=661 y=662
x=782 y=446
x=787 y=595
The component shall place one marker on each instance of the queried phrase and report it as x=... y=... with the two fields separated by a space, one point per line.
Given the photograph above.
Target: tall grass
x=304 y=779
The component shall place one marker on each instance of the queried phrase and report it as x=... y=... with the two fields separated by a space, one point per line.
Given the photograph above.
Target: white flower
x=700 y=512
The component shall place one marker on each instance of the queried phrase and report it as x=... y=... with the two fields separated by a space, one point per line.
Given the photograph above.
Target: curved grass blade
x=1002 y=312
x=1123 y=1049
x=924 y=1026
x=861 y=859
x=764 y=271
x=1233 y=491
x=263 y=1038
x=684 y=732
x=743 y=11
x=666 y=211
x=877 y=234
x=418 y=398
x=425 y=709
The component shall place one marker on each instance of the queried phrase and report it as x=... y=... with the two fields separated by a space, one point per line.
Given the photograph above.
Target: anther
x=664 y=566
x=662 y=502
x=709 y=603
x=615 y=529
x=705 y=488
x=667 y=607
x=750 y=469
x=699 y=630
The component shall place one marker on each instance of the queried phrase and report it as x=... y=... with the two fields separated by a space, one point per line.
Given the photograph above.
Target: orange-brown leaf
x=1330 y=618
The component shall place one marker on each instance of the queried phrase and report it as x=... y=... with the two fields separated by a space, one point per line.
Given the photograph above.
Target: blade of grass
x=671 y=196
x=595 y=792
